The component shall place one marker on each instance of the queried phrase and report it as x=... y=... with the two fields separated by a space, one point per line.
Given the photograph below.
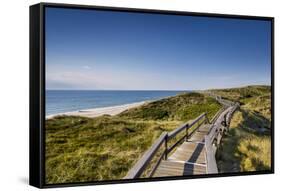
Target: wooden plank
x=189 y=145
x=210 y=157
x=181 y=172
x=198 y=137
x=186 y=162
x=170 y=168
x=184 y=168
x=190 y=152
x=199 y=160
x=188 y=155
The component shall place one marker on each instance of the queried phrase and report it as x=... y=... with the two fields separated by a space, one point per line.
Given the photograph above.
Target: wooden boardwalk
x=192 y=153
x=189 y=158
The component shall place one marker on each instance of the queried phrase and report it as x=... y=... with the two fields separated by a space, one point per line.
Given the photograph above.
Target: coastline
x=96 y=112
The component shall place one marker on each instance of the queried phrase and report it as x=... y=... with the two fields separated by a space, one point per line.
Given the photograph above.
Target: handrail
x=187 y=133
x=216 y=134
x=185 y=126
x=210 y=157
x=217 y=114
x=217 y=125
x=176 y=131
x=229 y=115
x=140 y=166
x=197 y=119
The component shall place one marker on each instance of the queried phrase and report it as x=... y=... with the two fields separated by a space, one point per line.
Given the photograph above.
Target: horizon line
x=114 y=90
x=156 y=89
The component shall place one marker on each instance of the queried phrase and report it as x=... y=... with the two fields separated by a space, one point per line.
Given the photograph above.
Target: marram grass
x=80 y=149
x=247 y=146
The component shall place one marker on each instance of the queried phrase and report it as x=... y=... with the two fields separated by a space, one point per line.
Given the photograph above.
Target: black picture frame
x=37 y=93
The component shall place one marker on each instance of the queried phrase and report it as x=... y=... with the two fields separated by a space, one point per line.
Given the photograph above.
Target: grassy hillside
x=180 y=108
x=105 y=148
x=247 y=146
x=242 y=94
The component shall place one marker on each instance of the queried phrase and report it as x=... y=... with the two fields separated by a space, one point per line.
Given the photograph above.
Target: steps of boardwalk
x=173 y=168
x=189 y=158
x=198 y=136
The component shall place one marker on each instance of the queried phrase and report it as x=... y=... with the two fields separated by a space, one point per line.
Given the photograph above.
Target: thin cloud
x=86 y=67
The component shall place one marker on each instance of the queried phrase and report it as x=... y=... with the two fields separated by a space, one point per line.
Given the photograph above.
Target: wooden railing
x=212 y=140
x=163 y=140
x=215 y=117
x=219 y=98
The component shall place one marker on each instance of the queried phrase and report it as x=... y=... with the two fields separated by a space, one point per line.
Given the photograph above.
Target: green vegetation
x=180 y=108
x=243 y=93
x=104 y=148
x=247 y=145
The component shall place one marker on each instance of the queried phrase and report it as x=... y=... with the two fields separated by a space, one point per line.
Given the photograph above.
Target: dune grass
x=243 y=94
x=183 y=107
x=96 y=149
x=247 y=145
x=82 y=149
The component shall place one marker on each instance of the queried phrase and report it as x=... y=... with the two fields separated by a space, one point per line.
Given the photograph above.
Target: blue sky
x=88 y=49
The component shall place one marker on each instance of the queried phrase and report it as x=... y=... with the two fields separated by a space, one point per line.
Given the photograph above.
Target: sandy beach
x=95 y=112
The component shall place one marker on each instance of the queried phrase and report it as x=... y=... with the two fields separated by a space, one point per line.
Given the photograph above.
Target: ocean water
x=60 y=101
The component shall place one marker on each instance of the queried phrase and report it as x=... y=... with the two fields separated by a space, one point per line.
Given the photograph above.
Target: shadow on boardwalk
x=193 y=158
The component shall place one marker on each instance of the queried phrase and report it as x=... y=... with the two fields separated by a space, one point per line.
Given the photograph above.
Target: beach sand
x=113 y=110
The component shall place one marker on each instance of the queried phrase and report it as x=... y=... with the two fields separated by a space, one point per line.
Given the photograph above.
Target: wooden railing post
x=186 y=134
x=206 y=120
x=166 y=148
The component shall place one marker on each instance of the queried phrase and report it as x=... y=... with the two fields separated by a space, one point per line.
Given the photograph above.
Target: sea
x=60 y=101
